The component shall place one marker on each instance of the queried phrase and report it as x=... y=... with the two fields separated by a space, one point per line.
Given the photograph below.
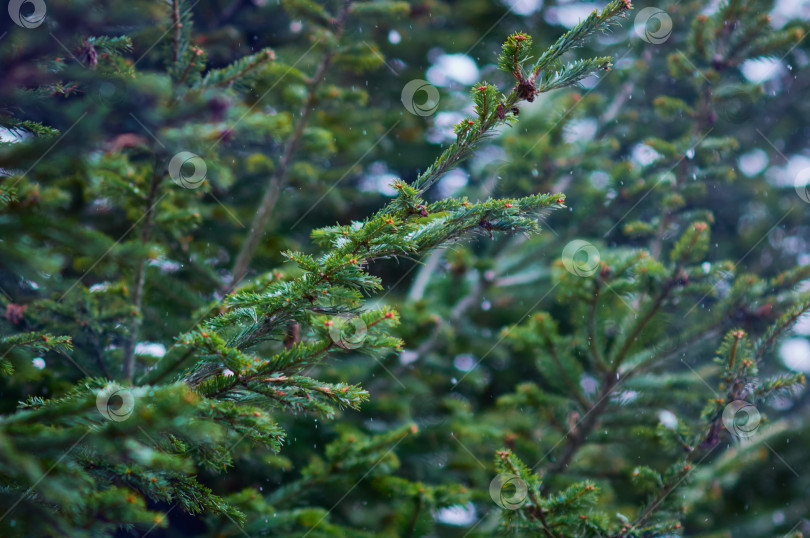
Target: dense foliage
x=258 y=277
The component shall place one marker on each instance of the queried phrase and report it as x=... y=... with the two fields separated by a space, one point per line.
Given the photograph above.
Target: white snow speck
x=523 y=7
x=588 y=384
x=761 y=70
x=753 y=162
x=442 y=129
x=580 y=130
x=101 y=286
x=464 y=362
x=152 y=349
x=452 y=182
x=599 y=179
x=668 y=419
x=457 y=515
x=449 y=68
x=626 y=397
x=644 y=155
x=407 y=356
x=379 y=179
x=793 y=174
x=795 y=353
x=787 y=10
x=569 y=15
x=802 y=325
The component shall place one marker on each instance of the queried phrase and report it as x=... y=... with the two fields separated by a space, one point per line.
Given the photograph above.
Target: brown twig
x=281 y=176
x=140 y=278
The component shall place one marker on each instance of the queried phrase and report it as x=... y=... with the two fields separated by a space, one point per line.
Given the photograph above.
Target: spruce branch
x=513 y=59
x=555 y=515
x=396 y=230
x=237 y=71
x=578 y=35
x=690 y=246
x=787 y=320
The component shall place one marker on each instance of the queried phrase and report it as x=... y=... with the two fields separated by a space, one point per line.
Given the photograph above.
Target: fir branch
x=577 y=36
x=38 y=341
x=236 y=71
x=512 y=59
x=786 y=321
x=506 y=461
x=572 y=73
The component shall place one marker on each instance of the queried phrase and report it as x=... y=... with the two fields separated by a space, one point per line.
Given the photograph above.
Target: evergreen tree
x=200 y=334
